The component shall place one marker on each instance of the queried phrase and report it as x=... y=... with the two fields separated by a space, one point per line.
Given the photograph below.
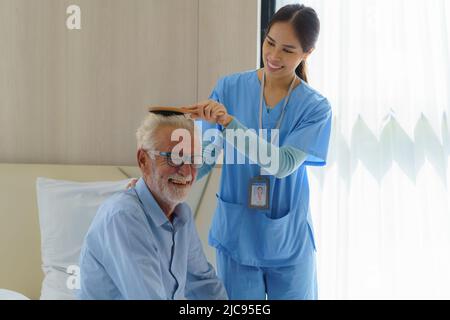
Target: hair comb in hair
x=168 y=111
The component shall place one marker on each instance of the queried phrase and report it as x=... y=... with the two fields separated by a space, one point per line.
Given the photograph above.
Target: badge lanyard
x=283 y=109
x=259 y=187
x=261 y=98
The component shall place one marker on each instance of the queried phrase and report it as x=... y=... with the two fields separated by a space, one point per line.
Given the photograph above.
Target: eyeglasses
x=176 y=161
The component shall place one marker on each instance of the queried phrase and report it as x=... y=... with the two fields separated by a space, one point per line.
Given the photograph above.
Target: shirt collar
x=153 y=210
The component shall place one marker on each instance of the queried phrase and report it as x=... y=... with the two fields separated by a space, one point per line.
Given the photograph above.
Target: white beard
x=170 y=192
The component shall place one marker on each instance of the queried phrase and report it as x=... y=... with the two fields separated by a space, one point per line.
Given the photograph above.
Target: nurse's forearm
x=206 y=168
x=290 y=158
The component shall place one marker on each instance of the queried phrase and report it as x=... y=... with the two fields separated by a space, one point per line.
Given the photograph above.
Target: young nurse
x=269 y=251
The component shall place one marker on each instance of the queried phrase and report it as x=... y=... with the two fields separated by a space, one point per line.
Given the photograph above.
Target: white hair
x=146 y=132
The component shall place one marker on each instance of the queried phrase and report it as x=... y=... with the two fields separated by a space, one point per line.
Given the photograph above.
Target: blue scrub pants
x=297 y=282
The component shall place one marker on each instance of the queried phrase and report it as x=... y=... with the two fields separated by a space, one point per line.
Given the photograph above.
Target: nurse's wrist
x=235 y=124
x=227 y=121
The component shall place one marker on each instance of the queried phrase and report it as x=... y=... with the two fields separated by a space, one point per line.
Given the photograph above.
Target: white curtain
x=382 y=205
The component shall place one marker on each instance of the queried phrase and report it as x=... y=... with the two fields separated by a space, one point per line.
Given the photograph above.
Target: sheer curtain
x=381 y=207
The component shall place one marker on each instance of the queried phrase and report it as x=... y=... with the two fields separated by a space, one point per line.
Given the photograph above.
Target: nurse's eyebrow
x=284 y=45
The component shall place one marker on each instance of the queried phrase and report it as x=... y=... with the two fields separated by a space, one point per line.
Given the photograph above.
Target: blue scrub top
x=280 y=235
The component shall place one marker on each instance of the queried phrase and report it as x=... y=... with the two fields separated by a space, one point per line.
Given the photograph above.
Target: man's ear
x=142 y=159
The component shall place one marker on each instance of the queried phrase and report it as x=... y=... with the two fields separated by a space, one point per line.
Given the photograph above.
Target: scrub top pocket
x=250 y=237
x=274 y=237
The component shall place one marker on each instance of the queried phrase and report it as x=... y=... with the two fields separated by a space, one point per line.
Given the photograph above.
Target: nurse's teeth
x=272 y=66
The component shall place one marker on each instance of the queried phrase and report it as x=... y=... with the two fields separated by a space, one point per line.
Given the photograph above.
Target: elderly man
x=143 y=243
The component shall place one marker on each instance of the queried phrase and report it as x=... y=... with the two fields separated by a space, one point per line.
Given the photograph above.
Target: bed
x=22 y=268
x=20 y=241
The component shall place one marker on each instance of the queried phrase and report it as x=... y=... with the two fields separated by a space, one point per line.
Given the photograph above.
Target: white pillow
x=11 y=295
x=66 y=210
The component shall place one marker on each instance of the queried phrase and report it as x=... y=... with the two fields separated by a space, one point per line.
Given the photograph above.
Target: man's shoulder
x=121 y=205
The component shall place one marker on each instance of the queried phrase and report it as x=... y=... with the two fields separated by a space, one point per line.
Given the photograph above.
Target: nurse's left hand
x=211 y=111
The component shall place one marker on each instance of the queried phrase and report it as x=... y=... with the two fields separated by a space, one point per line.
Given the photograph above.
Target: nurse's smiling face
x=282 y=51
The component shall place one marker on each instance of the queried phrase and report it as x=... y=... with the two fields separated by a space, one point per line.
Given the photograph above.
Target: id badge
x=259 y=193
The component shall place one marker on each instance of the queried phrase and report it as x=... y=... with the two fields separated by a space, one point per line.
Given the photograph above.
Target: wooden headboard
x=20 y=243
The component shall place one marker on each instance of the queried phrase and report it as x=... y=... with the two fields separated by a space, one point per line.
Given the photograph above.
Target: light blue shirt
x=278 y=236
x=132 y=251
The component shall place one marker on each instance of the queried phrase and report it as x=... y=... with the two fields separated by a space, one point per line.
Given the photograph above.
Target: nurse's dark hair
x=306 y=24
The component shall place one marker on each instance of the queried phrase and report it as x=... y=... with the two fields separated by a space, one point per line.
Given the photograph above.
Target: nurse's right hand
x=132 y=183
x=211 y=111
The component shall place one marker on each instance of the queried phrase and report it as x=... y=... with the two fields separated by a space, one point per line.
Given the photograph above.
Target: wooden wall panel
x=228 y=43
x=228 y=40
x=77 y=96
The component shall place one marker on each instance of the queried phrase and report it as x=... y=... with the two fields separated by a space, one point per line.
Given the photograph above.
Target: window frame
x=267 y=11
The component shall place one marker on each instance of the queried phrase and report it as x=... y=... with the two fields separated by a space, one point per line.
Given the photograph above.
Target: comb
x=167 y=111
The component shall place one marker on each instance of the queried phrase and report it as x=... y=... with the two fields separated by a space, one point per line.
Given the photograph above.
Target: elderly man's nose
x=185 y=169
